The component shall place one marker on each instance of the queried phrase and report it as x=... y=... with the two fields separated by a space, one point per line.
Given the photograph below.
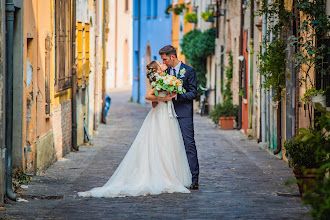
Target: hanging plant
x=168 y=9
x=177 y=9
x=208 y=16
x=191 y=17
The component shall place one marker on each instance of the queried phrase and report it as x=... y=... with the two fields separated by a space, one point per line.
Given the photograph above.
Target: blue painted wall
x=155 y=31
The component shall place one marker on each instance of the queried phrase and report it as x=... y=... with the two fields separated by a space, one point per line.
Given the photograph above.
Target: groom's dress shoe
x=194 y=185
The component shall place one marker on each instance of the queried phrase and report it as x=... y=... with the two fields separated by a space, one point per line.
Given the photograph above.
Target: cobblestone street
x=237 y=180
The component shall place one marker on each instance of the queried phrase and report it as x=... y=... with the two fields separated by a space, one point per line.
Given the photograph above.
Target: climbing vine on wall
x=197 y=46
x=228 y=94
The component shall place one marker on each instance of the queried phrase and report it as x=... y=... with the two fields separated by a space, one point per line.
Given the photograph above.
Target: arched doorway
x=126 y=63
x=148 y=60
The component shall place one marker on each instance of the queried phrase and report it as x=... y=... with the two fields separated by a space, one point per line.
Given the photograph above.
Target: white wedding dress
x=156 y=162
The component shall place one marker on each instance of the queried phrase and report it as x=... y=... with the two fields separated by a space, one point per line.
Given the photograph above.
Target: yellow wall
x=175 y=29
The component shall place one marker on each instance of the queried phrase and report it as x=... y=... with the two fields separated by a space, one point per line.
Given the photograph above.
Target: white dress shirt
x=177 y=69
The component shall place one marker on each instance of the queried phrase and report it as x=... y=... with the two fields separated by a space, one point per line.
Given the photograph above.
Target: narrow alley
x=238 y=180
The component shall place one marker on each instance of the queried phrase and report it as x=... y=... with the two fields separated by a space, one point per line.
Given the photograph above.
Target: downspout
x=10 y=17
x=96 y=69
x=138 y=55
x=239 y=124
x=279 y=109
x=251 y=64
x=116 y=41
x=216 y=64
x=279 y=130
x=103 y=64
x=263 y=143
x=74 y=79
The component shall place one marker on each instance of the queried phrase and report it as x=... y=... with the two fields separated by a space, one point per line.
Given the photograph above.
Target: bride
x=156 y=162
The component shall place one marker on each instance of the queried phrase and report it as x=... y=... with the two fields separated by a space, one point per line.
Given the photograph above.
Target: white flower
x=167 y=82
x=182 y=72
x=153 y=84
x=158 y=87
x=158 y=77
x=180 y=88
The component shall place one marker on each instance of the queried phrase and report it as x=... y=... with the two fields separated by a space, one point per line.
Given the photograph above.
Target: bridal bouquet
x=167 y=83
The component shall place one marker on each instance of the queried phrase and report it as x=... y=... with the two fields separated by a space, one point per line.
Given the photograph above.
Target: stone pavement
x=237 y=180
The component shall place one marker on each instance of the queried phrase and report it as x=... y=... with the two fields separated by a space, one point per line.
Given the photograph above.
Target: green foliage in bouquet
x=169 y=84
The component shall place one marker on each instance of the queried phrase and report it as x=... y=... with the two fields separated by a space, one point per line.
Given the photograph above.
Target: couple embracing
x=163 y=156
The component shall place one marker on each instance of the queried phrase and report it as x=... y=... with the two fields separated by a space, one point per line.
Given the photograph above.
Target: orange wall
x=176 y=29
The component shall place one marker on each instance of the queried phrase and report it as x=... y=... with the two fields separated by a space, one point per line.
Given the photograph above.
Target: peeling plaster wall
x=44 y=149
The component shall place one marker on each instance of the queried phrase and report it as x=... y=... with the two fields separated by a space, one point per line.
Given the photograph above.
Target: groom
x=183 y=105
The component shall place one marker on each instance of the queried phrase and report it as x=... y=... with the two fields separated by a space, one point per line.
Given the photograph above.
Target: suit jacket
x=183 y=104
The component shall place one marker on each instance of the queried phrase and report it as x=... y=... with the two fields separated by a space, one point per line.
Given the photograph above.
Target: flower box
x=226 y=123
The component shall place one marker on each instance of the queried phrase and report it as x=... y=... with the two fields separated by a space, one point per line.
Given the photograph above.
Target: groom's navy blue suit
x=183 y=105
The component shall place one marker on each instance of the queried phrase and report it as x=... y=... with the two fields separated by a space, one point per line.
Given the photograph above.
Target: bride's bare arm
x=152 y=97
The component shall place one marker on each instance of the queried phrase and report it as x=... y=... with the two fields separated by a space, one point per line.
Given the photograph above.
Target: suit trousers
x=187 y=130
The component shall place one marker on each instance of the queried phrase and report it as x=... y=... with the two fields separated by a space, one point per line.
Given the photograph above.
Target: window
x=126 y=5
x=148 y=8
x=155 y=8
x=63 y=44
x=136 y=8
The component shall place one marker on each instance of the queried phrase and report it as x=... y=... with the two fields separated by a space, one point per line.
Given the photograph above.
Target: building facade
x=59 y=81
x=152 y=29
x=120 y=66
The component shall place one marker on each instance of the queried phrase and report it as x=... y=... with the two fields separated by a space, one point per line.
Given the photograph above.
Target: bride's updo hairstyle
x=152 y=68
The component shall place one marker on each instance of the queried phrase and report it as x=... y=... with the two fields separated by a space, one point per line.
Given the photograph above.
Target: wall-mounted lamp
x=240 y=58
x=195 y=8
x=220 y=12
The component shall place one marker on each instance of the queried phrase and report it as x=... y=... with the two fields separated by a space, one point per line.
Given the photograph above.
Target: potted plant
x=208 y=16
x=224 y=114
x=315 y=96
x=305 y=160
x=308 y=152
x=191 y=17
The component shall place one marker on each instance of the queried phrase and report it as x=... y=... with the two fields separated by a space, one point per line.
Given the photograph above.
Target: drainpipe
x=138 y=67
x=263 y=143
x=74 y=80
x=10 y=17
x=279 y=130
x=116 y=41
x=279 y=109
x=103 y=65
x=96 y=69
x=239 y=124
x=251 y=64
